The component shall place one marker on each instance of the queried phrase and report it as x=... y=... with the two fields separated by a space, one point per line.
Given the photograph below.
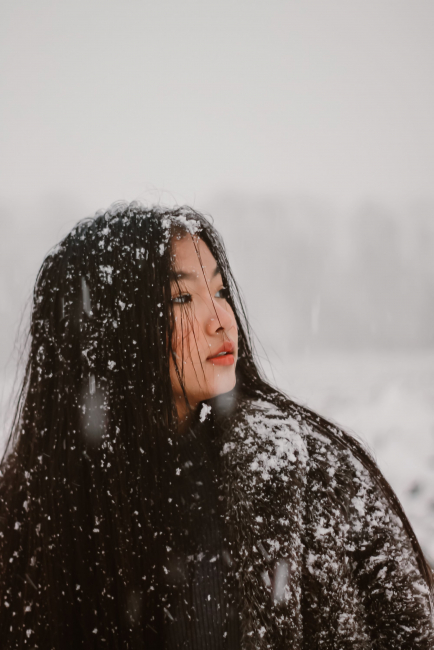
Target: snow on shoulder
x=270 y=439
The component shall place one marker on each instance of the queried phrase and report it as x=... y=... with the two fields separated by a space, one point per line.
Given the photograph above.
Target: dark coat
x=323 y=559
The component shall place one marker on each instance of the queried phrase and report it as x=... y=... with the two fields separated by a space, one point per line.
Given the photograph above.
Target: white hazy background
x=304 y=128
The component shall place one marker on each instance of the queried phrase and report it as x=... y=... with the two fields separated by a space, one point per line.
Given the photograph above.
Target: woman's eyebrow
x=186 y=275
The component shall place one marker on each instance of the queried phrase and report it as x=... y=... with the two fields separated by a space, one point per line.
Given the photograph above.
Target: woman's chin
x=224 y=385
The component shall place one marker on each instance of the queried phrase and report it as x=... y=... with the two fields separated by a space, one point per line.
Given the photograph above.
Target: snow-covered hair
x=85 y=482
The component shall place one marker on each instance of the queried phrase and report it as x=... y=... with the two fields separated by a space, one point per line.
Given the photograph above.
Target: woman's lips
x=224 y=355
x=223 y=360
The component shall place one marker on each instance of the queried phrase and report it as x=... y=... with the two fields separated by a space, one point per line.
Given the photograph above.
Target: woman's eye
x=223 y=293
x=182 y=299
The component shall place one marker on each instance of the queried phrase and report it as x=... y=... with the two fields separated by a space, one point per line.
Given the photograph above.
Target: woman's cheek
x=179 y=332
x=184 y=343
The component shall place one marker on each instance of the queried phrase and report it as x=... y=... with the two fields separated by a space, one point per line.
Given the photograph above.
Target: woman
x=157 y=492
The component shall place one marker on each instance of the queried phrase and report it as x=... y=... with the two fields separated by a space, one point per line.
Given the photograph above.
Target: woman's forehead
x=192 y=258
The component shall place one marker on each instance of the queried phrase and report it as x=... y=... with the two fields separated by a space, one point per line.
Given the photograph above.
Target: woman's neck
x=185 y=415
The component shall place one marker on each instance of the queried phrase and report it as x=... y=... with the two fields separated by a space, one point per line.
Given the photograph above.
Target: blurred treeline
x=312 y=276
x=315 y=277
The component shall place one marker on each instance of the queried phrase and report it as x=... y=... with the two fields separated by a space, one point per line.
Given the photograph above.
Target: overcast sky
x=102 y=100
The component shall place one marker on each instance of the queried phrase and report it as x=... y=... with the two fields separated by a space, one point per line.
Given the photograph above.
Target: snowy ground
x=386 y=399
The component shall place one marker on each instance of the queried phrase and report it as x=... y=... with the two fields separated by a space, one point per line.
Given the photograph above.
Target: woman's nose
x=220 y=318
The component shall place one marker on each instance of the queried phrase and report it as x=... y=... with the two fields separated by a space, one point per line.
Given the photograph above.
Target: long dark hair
x=84 y=479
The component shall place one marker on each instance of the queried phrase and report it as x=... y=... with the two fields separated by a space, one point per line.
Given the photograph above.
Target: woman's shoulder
x=280 y=437
x=265 y=434
x=336 y=469
x=272 y=418
x=272 y=438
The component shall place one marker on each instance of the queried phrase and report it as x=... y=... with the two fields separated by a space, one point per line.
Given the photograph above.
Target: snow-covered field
x=386 y=399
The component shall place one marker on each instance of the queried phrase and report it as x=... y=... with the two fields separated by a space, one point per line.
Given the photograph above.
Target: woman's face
x=206 y=334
